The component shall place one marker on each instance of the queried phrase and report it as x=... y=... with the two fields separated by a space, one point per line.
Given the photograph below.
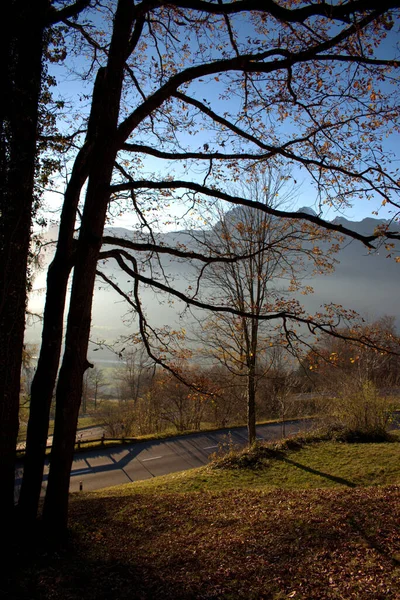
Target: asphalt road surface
x=106 y=467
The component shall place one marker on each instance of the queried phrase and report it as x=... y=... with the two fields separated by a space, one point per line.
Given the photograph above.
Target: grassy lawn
x=322 y=465
x=319 y=522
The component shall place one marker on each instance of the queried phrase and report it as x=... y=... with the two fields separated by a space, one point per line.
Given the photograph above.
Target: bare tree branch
x=198 y=188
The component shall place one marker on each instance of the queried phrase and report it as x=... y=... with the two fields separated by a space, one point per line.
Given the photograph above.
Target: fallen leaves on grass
x=332 y=543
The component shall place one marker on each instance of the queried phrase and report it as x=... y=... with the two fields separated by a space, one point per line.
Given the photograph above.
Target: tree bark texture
x=22 y=41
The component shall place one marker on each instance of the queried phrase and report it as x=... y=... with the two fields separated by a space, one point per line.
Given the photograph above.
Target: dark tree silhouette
x=213 y=89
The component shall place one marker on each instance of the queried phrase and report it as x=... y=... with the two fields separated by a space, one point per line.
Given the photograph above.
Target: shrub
x=118 y=419
x=257 y=456
x=359 y=413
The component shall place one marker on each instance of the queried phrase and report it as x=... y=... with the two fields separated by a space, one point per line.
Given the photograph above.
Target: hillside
x=315 y=523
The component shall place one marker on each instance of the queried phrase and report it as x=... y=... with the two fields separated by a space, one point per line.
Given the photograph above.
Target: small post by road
x=80 y=486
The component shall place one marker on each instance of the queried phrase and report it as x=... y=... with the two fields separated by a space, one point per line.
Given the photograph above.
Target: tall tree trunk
x=69 y=387
x=21 y=78
x=251 y=404
x=46 y=373
x=251 y=352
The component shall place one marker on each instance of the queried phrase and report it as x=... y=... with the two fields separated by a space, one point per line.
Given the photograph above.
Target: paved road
x=101 y=468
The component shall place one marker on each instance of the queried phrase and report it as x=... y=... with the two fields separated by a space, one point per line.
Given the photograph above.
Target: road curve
x=106 y=467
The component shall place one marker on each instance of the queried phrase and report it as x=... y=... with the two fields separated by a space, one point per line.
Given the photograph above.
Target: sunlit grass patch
x=316 y=522
x=315 y=465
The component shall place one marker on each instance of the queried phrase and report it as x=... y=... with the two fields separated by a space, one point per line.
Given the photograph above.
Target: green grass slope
x=322 y=521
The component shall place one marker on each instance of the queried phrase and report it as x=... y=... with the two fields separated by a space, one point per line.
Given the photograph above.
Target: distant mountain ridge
x=365 y=281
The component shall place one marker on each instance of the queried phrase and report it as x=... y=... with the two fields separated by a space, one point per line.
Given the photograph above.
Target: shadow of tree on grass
x=333 y=478
x=235 y=544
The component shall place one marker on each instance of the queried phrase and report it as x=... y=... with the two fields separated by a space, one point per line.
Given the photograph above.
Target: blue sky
x=77 y=95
